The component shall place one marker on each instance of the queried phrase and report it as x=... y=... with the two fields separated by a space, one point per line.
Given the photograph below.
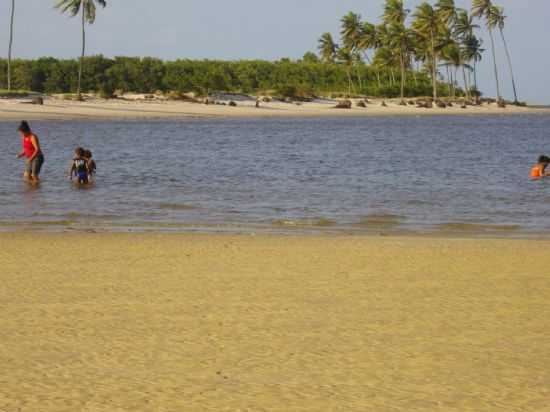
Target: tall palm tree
x=427 y=24
x=327 y=48
x=347 y=57
x=88 y=10
x=401 y=40
x=482 y=10
x=369 y=40
x=351 y=35
x=399 y=37
x=473 y=51
x=10 y=43
x=497 y=19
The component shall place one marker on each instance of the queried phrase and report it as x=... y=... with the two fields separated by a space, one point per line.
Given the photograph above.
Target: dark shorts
x=33 y=168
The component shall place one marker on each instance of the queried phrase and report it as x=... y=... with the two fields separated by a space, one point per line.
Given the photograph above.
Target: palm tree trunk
x=510 y=65
x=402 y=77
x=475 y=74
x=359 y=79
x=79 y=89
x=466 y=88
x=450 y=81
x=11 y=43
x=434 y=67
x=495 y=63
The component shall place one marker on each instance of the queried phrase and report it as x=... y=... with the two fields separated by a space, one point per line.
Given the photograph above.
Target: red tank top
x=28 y=147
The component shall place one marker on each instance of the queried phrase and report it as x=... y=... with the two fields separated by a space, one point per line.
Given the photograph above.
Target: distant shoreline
x=97 y=109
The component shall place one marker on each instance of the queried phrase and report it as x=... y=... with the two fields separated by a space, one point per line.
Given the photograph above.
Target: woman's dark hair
x=24 y=127
x=79 y=151
x=544 y=159
x=87 y=154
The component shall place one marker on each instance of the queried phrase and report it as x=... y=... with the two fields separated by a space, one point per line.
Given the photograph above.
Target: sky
x=256 y=29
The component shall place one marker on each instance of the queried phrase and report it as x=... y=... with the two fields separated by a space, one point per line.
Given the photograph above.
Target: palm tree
x=395 y=12
x=327 y=48
x=473 y=52
x=347 y=57
x=482 y=10
x=10 y=43
x=351 y=34
x=497 y=19
x=401 y=40
x=88 y=10
x=447 y=11
x=369 y=40
x=351 y=30
x=427 y=24
x=399 y=37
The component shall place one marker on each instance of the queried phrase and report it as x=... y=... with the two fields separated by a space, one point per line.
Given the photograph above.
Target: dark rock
x=361 y=103
x=232 y=104
x=440 y=104
x=384 y=104
x=38 y=100
x=344 y=104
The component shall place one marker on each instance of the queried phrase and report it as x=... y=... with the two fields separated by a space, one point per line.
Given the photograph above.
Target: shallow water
x=373 y=175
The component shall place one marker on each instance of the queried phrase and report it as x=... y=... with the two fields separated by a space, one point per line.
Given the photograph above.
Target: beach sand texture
x=166 y=323
x=55 y=109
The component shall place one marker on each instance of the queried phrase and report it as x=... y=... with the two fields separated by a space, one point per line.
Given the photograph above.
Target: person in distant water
x=539 y=170
x=79 y=167
x=91 y=164
x=32 y=151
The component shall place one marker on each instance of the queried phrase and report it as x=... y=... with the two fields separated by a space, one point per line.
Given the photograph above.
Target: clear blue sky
x=254 y=29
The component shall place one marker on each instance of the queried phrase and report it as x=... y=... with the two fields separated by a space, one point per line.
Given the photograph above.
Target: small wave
x=381 y=221
x=319 y=222
x=476 y=227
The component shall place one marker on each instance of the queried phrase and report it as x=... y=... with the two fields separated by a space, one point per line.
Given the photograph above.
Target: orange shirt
x=537 y=172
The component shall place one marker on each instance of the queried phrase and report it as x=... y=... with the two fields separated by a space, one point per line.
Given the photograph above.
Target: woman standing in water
x=33 y=153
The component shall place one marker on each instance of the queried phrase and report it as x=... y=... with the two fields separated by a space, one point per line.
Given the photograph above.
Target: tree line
x=389 y=59
x=302 y=78
x=439 y=39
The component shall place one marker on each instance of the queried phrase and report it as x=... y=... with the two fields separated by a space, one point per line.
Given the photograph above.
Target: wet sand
x=118 y=109
x=160 y=322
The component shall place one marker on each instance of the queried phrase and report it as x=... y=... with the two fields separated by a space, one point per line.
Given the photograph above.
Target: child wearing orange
x=539 y=170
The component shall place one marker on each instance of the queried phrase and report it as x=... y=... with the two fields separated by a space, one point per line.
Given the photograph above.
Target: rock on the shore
x=344 y=104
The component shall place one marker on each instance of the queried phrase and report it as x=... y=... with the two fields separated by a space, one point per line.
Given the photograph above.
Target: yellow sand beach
x=163 y=322
x=120 y=109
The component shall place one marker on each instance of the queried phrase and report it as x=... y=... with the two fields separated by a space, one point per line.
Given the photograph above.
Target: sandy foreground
x=13 y=110
x=166 y=323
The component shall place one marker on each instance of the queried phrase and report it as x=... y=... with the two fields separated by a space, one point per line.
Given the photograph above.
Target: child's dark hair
x=79 y=151
x=24 y=127
x=88 y=154
x=544 y=159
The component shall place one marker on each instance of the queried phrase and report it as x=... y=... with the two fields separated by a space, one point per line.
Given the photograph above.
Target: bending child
x=91 y=164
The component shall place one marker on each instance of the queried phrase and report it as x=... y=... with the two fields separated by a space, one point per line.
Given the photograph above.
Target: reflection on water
x=440 y=174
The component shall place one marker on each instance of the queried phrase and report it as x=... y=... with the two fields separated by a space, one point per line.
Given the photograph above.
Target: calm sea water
x=429 y=174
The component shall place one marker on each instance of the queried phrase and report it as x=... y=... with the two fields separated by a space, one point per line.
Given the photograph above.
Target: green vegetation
x=300 y=79
x=438 y=36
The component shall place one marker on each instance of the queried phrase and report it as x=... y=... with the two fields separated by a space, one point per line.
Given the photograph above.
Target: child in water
x=539 y=170
x=91 y=164
x=79 y=167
